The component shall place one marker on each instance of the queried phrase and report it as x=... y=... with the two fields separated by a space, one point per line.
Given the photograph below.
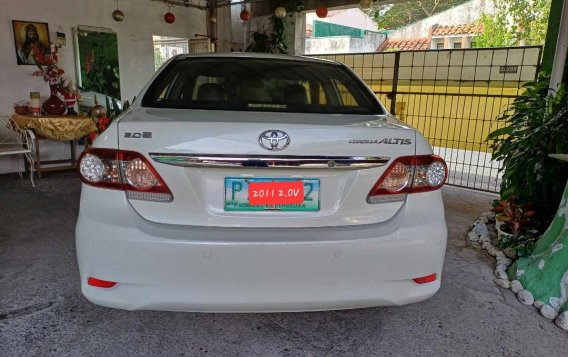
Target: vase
x=53 y=105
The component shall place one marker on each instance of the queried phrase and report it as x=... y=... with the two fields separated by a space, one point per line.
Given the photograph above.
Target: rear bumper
x=164 y=267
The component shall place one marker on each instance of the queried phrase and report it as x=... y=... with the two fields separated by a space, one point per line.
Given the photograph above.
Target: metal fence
x=453 y=97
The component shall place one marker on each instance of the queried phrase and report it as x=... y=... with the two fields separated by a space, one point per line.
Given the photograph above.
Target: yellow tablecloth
x=63 y=128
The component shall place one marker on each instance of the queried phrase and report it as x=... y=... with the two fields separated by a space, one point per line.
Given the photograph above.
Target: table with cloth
x=59 y=128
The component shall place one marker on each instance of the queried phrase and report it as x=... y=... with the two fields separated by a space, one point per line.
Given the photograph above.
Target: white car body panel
x=186 y=268
x=191 y=254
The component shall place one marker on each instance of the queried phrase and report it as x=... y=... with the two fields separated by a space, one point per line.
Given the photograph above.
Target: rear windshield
x=250 y=84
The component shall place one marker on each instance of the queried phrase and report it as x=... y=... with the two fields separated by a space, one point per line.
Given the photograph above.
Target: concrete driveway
x=42 y=311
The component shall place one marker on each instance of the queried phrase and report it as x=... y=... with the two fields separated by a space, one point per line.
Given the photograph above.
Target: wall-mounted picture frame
x=30 y=36
x=96 y=55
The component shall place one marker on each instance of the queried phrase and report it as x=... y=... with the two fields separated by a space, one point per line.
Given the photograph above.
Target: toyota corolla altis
x=259 y=183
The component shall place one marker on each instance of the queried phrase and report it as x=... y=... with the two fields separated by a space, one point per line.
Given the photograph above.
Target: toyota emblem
x=274 y=139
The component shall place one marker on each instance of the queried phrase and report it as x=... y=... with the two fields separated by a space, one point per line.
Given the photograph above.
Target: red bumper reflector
x=425 y=279
x=100 y=283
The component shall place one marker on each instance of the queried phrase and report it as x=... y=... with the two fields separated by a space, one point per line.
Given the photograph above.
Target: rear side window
x=249 y=84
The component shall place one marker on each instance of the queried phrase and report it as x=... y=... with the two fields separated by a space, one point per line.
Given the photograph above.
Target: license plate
x=260 y=194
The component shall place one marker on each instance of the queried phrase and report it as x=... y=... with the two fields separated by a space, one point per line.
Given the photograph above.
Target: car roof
x=257 y=56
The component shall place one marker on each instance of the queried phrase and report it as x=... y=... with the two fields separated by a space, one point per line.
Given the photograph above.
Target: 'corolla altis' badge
x=391 y=141
x=274 y=139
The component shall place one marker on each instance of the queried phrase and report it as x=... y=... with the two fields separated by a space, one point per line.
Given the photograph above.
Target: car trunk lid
x=201 y=154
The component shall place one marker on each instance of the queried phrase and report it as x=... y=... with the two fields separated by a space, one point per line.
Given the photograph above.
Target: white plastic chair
x=15 y=141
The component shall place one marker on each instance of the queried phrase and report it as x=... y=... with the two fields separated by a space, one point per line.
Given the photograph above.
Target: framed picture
x=29 y=36
x=98 y=70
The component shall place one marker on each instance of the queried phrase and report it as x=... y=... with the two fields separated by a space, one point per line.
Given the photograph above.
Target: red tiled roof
x=464 y=29
x=406 y=44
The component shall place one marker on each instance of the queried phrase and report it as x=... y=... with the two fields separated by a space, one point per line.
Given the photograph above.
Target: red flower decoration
x=103 y=123
x=88 y=63
x=47 y=66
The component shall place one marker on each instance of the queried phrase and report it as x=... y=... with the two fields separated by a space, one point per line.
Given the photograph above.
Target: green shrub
x=536 y=125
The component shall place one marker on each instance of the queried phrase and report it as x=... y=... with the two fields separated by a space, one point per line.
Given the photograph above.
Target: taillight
x=409 y=174
x=123 y=170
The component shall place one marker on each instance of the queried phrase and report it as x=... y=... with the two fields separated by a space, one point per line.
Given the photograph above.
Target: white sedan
x=259 y=183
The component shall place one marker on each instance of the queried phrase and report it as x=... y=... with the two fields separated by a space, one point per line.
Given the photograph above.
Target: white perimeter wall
x=143 y=18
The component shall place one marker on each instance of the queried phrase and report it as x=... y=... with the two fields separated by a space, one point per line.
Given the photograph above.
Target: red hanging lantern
x=169 y=18
x=245 y=15
x=321 y=11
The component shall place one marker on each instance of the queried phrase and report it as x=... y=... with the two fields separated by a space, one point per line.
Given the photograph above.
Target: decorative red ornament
x=169 y=18
x=92 y=136
x=321 y=11
x=103 y=123
x=245 y=15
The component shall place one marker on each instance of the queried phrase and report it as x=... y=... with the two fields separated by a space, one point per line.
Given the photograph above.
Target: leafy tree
x=158 y=60
x=393 y=16
x=515 y=23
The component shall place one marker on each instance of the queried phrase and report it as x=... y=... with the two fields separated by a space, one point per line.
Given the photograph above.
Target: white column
x=561 y=49
x=224 y=30
x=299 y=34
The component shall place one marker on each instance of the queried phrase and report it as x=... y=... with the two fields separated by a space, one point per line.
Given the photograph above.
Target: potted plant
x=515 y=225
x=534 y=126
x=512 y=217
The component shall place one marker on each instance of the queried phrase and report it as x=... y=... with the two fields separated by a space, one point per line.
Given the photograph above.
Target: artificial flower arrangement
x=48 y=69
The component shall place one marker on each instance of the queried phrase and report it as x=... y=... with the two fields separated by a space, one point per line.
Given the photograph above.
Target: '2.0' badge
x=142 y=135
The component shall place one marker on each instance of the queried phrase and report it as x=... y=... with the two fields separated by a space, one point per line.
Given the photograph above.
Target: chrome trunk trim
x=264 y=161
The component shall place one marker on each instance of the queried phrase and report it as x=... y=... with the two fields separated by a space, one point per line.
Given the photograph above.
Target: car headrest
x=295 y=94
x=210 y=92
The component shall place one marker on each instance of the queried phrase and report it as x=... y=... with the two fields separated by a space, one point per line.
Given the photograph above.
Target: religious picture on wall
x=98 y=69
x=30 y=37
